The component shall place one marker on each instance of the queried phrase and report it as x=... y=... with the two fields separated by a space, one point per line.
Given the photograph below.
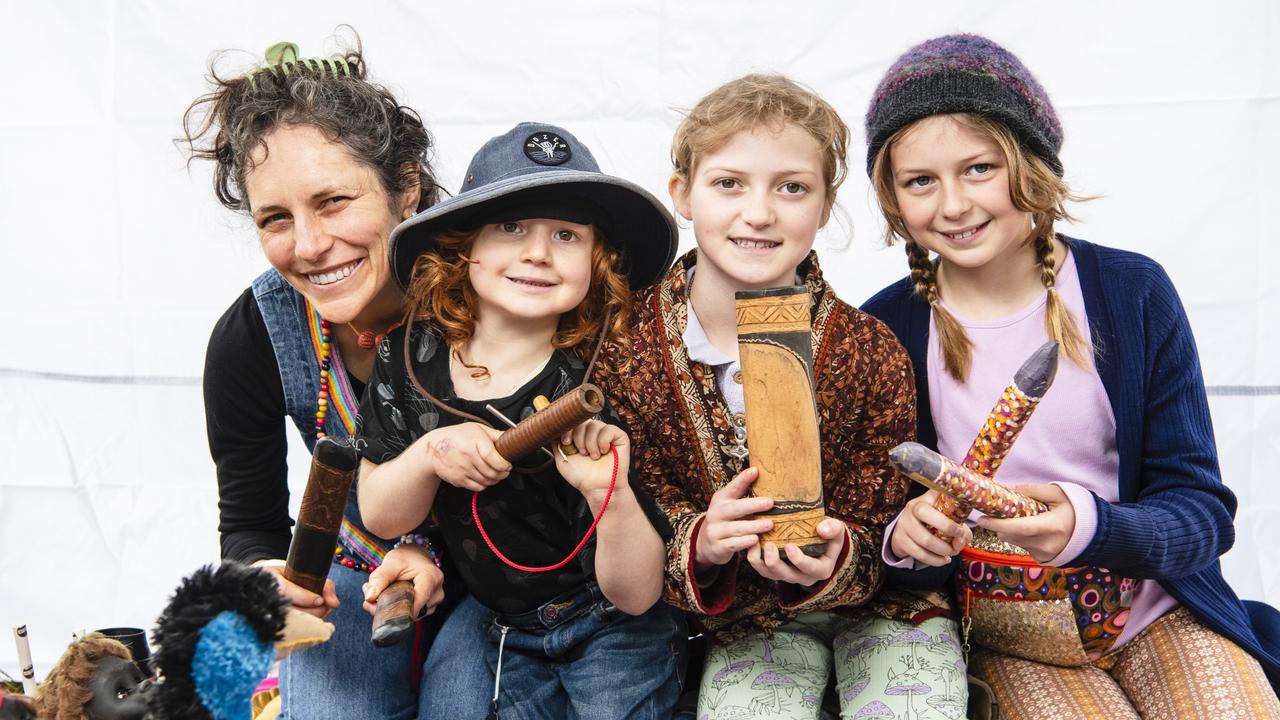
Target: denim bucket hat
x=536 y=165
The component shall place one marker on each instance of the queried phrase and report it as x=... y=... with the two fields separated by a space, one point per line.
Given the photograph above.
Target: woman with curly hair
x=325 y=162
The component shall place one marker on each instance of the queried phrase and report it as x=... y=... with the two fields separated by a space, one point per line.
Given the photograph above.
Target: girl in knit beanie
x=1121 y=609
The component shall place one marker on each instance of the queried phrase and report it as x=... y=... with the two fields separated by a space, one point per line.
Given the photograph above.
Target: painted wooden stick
x=971 y=489
x=1005 y=422
x=24 y=659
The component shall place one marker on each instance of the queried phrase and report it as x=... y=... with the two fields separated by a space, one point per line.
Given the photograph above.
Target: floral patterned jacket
x=682 y=434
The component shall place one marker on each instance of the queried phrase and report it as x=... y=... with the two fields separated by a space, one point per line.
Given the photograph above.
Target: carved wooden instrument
x=333 y=466
x=547 y=425
x=393 y=617
x=774 y=348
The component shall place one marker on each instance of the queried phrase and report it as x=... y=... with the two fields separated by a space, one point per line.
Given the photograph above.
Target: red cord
x=475 y=515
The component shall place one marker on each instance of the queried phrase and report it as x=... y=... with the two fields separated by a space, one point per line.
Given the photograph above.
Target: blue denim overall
x=346 y=677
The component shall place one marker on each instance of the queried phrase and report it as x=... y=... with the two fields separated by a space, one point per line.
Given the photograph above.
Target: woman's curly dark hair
x=229 y=124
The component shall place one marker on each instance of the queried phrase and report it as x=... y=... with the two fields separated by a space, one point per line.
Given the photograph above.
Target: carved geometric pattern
x=773 y=312
x=801 y=529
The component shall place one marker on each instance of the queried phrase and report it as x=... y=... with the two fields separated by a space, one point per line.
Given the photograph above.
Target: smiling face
x=534 y=269
x=323 y=219
x=951 y=184
x=756 y=204
x=119 y=691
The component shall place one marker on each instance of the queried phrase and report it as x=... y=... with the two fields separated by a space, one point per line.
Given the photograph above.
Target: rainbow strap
x=343 y=403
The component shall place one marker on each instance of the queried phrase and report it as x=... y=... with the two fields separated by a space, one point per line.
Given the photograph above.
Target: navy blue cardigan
x=1174 y=517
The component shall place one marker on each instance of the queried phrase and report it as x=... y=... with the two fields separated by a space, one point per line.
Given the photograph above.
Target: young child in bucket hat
x=514 y=283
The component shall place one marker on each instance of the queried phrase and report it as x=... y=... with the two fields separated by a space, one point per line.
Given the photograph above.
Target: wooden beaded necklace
x=322 y=405
x=368 y=339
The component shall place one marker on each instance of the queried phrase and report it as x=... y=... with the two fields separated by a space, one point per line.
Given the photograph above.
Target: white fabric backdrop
x=120 y=259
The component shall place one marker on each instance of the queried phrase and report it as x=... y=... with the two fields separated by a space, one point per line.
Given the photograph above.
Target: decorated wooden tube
x=544 y=426
x=333 y=466
x=1005 y=422
x=971 y=489
x=775 y=350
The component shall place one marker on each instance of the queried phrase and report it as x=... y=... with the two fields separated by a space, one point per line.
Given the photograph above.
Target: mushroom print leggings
x=883 y=669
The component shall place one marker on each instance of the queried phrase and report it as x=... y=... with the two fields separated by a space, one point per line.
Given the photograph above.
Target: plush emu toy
x=218 y=637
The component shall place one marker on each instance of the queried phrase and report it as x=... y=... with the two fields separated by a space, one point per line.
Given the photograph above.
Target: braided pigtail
x=1058 y=321
x=957 y=351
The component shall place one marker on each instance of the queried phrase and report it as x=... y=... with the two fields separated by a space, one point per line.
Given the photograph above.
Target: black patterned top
x=534 y=518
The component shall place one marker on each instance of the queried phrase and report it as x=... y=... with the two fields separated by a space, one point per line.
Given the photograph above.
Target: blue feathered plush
x=217 y=639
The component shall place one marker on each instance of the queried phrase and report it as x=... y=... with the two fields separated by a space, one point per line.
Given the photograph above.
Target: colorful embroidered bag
x=1067 y=616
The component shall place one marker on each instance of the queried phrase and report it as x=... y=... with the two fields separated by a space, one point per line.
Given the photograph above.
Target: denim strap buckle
x=556 y=611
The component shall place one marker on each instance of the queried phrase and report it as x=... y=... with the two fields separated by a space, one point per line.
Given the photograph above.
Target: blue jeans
x=348 y=677
x=456 y=682
x=581 y=657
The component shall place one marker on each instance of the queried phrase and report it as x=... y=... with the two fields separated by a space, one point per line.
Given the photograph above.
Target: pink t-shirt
x=1069 y=441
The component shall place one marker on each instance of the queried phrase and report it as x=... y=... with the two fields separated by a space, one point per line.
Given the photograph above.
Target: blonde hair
x=440 y=291
x=1033 y=188
x=760 y=100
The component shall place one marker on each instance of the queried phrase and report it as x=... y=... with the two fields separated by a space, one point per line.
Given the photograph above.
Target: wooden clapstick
x=393 y=617
x=545 y=426
x=333 y=466
x=541 y=403
x=774 y=348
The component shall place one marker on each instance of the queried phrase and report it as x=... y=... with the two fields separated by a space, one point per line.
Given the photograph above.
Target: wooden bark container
x=774 y=348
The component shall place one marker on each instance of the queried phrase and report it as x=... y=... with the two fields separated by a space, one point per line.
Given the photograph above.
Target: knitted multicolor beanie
x=964 y=74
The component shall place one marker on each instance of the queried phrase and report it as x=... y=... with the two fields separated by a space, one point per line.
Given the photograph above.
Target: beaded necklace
x=356 y=549
x=322 y=403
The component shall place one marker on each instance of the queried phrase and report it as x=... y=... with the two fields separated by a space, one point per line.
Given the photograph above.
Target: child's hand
x=464 y=456
x=723 y=530
x=803 y=570
x=412 y=563
x=591 y=469
x=912 y=537
x=1044 y=535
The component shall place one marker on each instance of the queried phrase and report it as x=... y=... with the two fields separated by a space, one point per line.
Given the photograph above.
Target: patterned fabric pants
x=1176 y=668
x=883 y=669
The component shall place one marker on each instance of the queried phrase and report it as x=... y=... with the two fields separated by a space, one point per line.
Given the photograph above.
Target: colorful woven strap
x=354 y=542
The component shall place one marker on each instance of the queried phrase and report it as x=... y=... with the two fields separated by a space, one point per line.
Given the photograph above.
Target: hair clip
x=282 y=58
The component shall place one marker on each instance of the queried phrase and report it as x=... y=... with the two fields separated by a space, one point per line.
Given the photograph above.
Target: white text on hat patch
x=546 y=148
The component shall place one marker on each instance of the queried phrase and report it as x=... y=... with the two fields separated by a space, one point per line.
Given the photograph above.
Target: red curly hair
x=440 y=292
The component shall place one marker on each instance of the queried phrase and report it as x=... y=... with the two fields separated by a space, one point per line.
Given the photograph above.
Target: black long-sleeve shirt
x=246 y=422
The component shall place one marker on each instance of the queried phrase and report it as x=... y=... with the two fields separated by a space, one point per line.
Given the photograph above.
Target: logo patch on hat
x=546 y=148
